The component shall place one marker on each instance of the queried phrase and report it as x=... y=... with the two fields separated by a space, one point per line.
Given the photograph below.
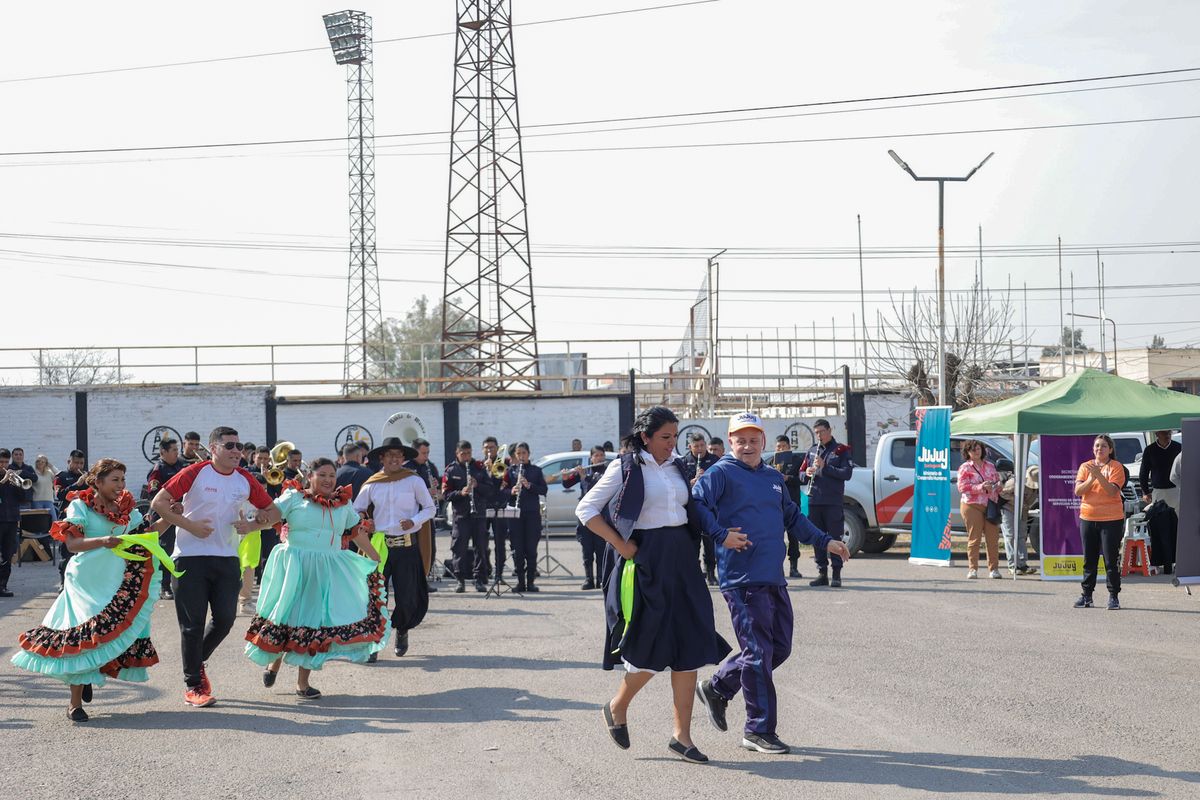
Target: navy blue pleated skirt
x=672 y=621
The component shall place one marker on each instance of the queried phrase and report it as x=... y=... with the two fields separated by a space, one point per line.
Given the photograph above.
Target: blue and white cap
x=745 y=420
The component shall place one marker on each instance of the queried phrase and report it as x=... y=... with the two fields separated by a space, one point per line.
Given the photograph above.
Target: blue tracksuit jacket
x=732 y=495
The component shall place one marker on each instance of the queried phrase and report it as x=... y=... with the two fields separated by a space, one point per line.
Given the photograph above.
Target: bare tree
x=410 y=347
x=979 y=331
x=82 y=367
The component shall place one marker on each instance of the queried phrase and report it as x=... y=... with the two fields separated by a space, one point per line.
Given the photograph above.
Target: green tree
x=410 y=346
x=1071 y=341
x=1157 y=342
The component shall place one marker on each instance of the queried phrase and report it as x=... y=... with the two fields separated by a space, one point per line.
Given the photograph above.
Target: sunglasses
x=230 y=445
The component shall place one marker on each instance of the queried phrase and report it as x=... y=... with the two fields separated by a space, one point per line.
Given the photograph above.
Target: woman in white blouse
x=647 y=499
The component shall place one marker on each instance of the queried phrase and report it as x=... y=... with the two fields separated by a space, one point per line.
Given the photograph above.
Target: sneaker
x=995 y=574
x=197 y=698
x=1113 y=603
x=1084 y=601
x=714 y=704
x=765 y=743
x=972 y=574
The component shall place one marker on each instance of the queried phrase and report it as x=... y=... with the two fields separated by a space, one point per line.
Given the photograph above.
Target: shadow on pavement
x=440 y=663
x=958 y=774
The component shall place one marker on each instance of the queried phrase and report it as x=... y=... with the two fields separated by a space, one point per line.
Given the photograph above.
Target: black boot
x=836 y=582
x=402 y=643
x=589 y=582
x=529 y=587
x=794 y=572
x=821 y=580
x=462 y=587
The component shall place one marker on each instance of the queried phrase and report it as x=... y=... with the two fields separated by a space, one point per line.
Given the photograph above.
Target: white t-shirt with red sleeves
x=215 y=498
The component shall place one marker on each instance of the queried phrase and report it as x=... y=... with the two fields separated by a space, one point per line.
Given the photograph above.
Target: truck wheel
x=856 y=532
x=879 y=542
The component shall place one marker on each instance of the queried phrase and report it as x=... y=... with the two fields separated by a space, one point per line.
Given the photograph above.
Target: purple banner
x=1062 y=547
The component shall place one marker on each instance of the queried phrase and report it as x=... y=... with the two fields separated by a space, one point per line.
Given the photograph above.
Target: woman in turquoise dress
x=99 y=627
x=317 y=601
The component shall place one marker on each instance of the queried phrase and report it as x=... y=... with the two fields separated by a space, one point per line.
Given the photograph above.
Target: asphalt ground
x=907 y=682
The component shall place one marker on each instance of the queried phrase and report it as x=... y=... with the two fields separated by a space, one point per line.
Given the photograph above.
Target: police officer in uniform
x=168 y=465
x=465 y=484
x=826 y=468
x=788 y=463
x=696 y=461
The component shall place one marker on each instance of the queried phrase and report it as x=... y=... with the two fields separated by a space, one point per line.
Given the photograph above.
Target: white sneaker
x=994 y=574
x=972 y=573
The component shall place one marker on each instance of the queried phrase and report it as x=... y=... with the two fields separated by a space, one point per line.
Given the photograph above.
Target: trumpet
x=471 y=489
x=14 y=477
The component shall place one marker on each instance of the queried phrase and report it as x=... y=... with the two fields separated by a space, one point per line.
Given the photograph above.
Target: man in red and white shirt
x=218 y=498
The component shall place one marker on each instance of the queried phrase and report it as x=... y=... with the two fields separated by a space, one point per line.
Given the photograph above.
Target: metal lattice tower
x=488 y=328
x=350 y=37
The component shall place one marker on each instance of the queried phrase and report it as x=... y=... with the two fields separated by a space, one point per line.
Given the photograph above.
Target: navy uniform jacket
x=354 y=475
x=66 y=481
x=788 y=464
x=159 y=474
x=689 y=464
x=529 y=504
x=454 y=480
x=829 y=485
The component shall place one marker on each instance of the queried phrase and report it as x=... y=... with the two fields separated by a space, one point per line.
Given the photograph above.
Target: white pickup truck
x=879 y=500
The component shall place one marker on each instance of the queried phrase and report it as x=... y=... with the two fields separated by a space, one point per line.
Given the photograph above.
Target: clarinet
x=520 y=484
x=471 y=488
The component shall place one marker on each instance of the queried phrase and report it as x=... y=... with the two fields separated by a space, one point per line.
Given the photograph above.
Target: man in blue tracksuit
x=825 y=470
x=744 y=506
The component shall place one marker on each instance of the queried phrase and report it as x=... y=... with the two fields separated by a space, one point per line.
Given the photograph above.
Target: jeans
x=1007 y=529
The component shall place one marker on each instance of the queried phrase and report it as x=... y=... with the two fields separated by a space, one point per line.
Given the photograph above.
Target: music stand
x=550 y=564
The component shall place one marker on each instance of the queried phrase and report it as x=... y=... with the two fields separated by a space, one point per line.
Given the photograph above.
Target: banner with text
x=1062 y=547
x=1187 y=549
x=931 y=490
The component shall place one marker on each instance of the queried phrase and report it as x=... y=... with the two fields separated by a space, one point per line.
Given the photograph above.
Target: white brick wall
x=119 y=418
x=39 y=421
x=547 y=424
x=314 y=427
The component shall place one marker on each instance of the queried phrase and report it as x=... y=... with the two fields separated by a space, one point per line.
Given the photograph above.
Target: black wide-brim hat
x=392 y=443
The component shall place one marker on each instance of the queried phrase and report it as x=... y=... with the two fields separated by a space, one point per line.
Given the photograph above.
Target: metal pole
x=862 y=297
x=941 y=290
x=1100 y=318
x=1062 y=347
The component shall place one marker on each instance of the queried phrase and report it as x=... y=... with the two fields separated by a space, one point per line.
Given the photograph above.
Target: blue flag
x=931 y=488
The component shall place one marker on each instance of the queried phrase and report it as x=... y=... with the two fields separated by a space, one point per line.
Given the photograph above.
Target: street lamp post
x=941 y=274
x=1103 y=319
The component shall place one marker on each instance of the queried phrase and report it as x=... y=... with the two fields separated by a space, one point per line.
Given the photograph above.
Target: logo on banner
x=685 y=433
x=352 y=434
x=931 y=488
x=153 y=439
x=800 y=435
x=405 y=426
x=935 y=458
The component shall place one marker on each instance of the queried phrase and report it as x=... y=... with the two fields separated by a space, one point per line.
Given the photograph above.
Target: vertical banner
x=1187 y=551
x=931 y=490
x=1062 y=547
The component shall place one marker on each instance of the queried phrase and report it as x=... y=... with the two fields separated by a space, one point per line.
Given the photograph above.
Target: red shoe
x=198 y=698
x=205 y=683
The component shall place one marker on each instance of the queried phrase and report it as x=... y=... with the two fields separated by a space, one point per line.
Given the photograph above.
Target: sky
x=254 y=235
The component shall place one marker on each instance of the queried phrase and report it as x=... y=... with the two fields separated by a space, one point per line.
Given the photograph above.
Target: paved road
x=908 y=682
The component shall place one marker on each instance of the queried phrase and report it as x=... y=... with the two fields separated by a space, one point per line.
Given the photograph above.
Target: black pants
x=499 y=529
x=208 y=582
x=406 y=583
x=270 y=538
x=592 y=546
x=1098 y=535
x=167 y=540
x=525 y=533
x=709 y=553
x=832 y=520
x=9 y=536
x=469 y=533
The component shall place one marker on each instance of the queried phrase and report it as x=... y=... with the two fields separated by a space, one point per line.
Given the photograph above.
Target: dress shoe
x=402 y=644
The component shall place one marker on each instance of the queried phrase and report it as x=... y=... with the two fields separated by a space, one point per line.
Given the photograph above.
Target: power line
x=248 y=56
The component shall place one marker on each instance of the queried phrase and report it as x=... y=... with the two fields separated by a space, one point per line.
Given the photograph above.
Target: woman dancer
x=99 y=626
x=660 y=616
x=316 y=601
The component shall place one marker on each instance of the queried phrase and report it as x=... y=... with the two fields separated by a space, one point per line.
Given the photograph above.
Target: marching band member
x=587 y=478
x=527 y=485
x=788 y=464
x=65 y=482
x=826 y=468
x=716 y=447
x=397 y=502
x=318 y=602
x=697 y=460
x=168 y=465
x=99 y=626
x=191 y=453
x=427 y=472
x=494 y=465
x=461 y=483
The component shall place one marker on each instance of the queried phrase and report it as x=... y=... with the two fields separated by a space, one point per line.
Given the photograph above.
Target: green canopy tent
x=1087 y=402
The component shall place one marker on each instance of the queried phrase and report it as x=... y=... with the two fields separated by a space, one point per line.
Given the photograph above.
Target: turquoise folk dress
x=317 y=602
x=99 y=627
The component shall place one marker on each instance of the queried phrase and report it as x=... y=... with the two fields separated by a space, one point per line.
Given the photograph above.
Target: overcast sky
x=1100 y=186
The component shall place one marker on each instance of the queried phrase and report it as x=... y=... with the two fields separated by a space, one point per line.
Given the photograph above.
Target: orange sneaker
x=198 y=698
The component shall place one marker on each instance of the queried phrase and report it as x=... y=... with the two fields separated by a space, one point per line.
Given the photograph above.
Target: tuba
x=497 y=466
x=279 y=457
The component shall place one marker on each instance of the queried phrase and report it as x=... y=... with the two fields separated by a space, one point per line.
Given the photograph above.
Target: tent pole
x=1020 y=443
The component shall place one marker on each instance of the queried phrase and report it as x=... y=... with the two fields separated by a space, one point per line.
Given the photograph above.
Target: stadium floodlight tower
x=350 y=37
x=489 y=336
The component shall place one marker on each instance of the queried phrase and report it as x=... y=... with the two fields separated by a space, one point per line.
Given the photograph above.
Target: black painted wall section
x=81 y=424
